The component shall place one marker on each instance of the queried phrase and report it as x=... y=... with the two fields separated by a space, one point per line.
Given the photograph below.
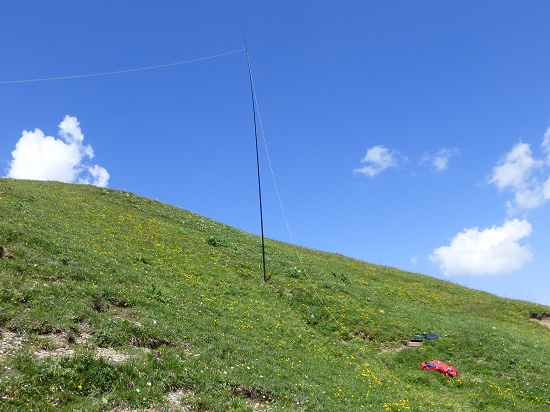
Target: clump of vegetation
x=110 y=300
x=217 y=242
x=341 y=277
x=294 y=273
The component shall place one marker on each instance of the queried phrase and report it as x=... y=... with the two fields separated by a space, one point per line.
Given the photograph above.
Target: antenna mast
x=257 y=155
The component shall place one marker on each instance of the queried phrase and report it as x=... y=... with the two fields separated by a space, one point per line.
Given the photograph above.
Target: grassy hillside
x=112 y=301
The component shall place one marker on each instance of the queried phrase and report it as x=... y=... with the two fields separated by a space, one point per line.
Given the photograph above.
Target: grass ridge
x=86 y=272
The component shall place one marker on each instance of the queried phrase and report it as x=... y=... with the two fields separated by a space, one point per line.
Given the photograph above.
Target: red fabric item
x=440 y=367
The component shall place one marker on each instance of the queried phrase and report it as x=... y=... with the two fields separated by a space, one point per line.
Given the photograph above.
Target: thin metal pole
x=257 y=157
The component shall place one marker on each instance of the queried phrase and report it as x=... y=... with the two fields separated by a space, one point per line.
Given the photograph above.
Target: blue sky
x=407 y=134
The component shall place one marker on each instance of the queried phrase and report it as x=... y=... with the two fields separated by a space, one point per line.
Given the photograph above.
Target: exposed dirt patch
x=58 y=345
x=175 y=399
x=364 y=335
x=544 y=321
x=112 y=354
x=4 y=254
x=85 y=334
x=385 y=348
x=541 y=318
x=9 y=343
x=126 y=409
x=54 y=345
x=174 y=404
x=126 y=314
x=253 y=396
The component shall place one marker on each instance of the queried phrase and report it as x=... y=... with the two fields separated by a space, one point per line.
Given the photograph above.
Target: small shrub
x=341 y=277
x=294 y=273
x=217 y=242
x=141 y=259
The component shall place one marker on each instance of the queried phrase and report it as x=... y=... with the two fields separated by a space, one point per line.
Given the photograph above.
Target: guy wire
x=120 y=71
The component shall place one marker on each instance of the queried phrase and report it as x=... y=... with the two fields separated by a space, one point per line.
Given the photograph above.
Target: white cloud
x=546 y=145
x=546 y=189
x=414 y=259
x=497 y=250
x=380 y=158
x=492 y=251
x=514 y=172
x=99 y=174
x=440 y=160
x=41 y=157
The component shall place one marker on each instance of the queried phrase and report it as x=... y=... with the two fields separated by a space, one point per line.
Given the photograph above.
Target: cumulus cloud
x=379 y=158
x=440 y=160
x=492 y=251
x=515 y=172
x=41 y=157
x=515 y=169
x=99 y=175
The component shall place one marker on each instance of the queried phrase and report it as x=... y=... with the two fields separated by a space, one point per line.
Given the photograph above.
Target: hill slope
x=114 y=301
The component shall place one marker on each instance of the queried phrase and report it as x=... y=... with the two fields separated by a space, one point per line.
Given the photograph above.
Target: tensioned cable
x=283 y=211
x=122 y=71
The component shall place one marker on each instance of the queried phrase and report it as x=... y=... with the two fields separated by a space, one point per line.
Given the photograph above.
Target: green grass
x=183 y=298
